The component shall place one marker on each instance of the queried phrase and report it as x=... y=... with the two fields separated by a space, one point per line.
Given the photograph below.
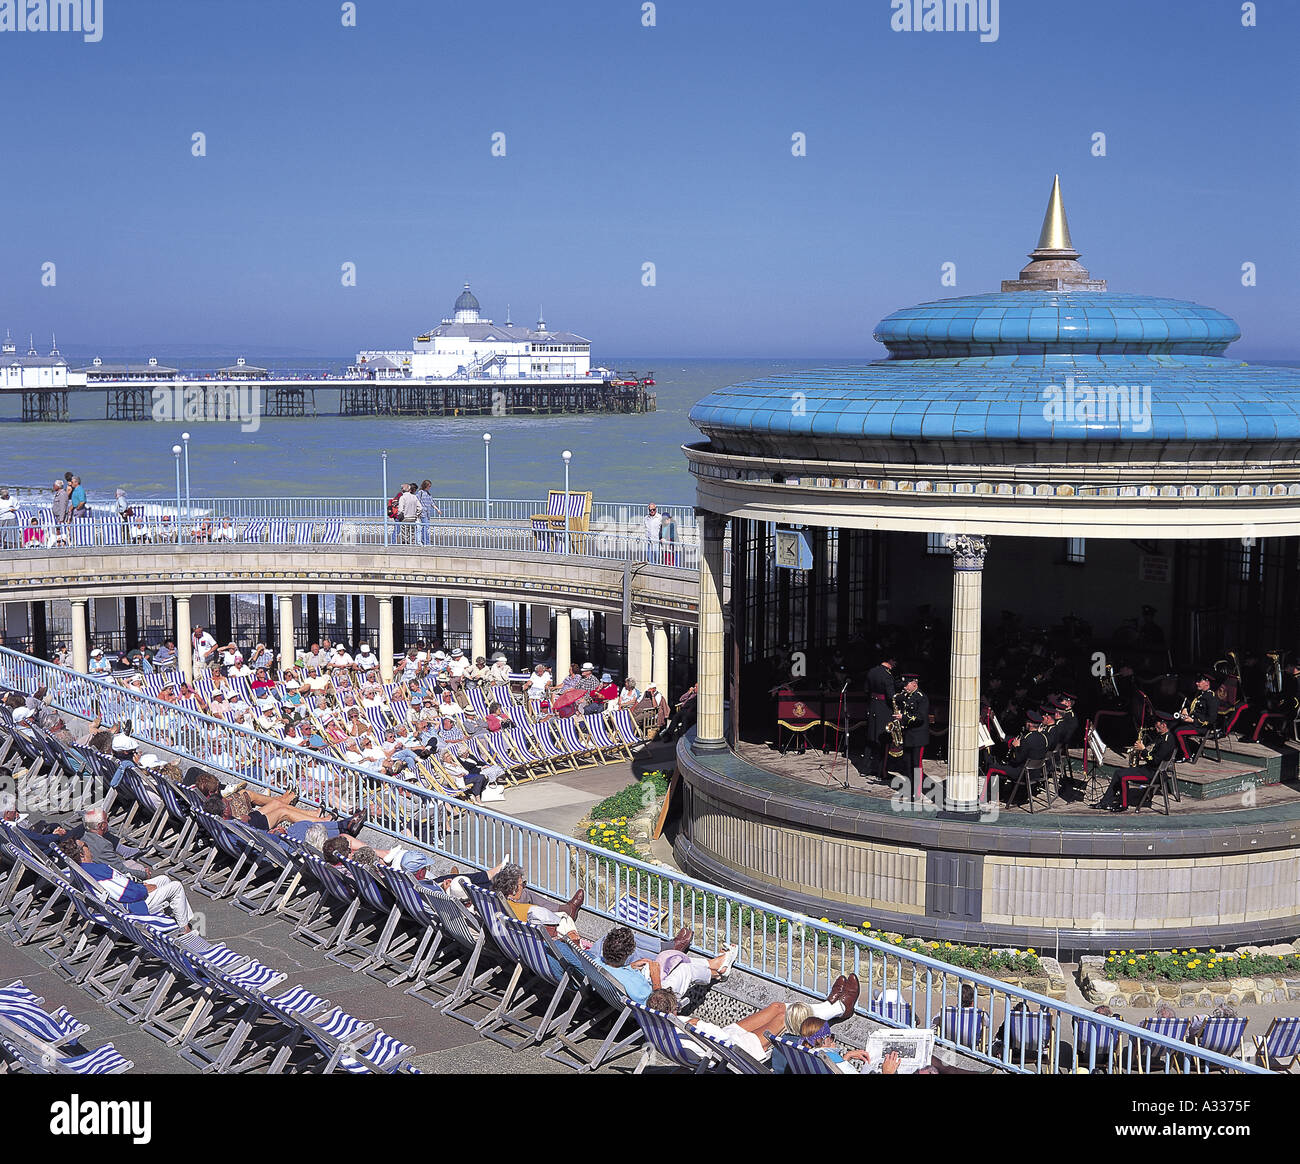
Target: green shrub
x=632 y=800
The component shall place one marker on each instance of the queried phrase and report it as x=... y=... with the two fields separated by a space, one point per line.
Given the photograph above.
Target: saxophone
x=896 y=731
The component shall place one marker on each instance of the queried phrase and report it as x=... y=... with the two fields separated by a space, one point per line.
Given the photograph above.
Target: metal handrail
x=776 y=944
x=326 y=533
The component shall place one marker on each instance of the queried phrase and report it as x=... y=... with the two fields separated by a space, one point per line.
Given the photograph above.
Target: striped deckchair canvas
x=203 y=686
x=277 y=531
x=632 y=911
x=500 y=693
x=566 y=732
x=626 y=726
x=477 y=703
x=302 y=531
x=400 y=710
x=189 y=703
x=255 y=530
x=376 y=719
x=597 y=727
x=332 y=532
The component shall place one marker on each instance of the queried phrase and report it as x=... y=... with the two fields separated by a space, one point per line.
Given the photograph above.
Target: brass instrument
x=1140 y=752
x=1236 y=666
x=896 y=731
x=1273 y=680
x=1109 y=680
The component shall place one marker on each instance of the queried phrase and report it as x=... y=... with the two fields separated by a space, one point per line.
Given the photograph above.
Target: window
x=937 y=543
x=1075 y=554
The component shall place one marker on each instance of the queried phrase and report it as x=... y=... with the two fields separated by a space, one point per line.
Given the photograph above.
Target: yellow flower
x=1030 y=950
x=1141 y=955
x=1132 y=961
x=1110 y=959
x=1191 y=949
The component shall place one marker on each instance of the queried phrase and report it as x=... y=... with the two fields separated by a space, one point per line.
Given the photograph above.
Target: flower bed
x=636 y=798
x=1193 y=965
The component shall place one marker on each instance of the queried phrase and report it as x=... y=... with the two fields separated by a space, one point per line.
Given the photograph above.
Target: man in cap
x=1026 y=751
x=880 y=712
x=458 y=668
x=340 y=660
x=653 y=701
x=1196 y=721
x=1164 y=748
x=914 y=715
x=100 y=664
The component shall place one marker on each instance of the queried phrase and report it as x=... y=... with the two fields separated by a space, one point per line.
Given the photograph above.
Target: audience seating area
x=224 y=1010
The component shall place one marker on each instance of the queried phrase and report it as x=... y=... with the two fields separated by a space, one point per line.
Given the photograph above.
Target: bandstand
x=1053 y=450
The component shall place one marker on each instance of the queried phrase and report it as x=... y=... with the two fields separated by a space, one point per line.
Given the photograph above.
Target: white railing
x=36 y=532
x=776 y=944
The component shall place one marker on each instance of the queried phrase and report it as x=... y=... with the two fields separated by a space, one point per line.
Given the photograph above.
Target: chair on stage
x=1027 y=777
x=794 y=720
x=1164 y=781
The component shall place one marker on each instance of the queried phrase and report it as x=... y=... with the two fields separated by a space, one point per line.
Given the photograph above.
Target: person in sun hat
x=366 y=659
x=458 y=668
x=100 y=664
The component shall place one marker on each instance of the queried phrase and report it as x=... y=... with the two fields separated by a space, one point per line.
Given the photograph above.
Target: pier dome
x=1053 y=367
x=466 y=309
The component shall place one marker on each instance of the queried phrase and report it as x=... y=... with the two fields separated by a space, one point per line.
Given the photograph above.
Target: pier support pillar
x=711 y=653
x=184 y=636
x=288 y=653
x=638 y=652
x=961 y=793
x=563 y=644
x=478 y=635
x=80 y=640
x=659 y=663
x=386 y=637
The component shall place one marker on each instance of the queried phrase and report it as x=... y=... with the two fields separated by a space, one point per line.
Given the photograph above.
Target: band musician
x=913 y=712
x=880 y=711
x=1164 y=748
x=1195 y=722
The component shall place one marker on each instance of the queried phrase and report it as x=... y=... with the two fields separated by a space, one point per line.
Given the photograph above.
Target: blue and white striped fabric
x=376 y=719
x=791 y=1057
x=104 y=1060
x=256 y=528
x=277 y=532
x=1224 y=1035
x=666 y=1038
x=298 y=1000
x=895 y=1012
x=385 y=1052
x=964 y=1026
x=28 y=1016
x=302 y=531
x=577 y=503
x=1282 y=1040
x=331 y=532
x=632 y=911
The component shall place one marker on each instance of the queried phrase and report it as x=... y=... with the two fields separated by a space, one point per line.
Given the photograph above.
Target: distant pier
x=134 y=400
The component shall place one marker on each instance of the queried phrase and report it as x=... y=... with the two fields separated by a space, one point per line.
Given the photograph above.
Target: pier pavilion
x=1054 y=451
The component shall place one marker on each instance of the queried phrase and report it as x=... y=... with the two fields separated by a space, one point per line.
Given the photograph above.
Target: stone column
x=184 y=641
x=659 y=657
x=563 y=643
x=80 y=646
x=638 y=651
x=478 y=613
x=961 y=793
x=386 y=637
x=288 y=652
x=711 y=671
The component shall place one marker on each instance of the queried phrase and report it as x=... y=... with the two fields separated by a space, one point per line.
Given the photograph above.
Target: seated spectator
x=139 y=897
x=539 y=682
x=509 y=881
x=603 y=697
x=33 y=535
x=656 y=706
x=366 y=661
x=480 y=673
x=683 y=717
x=497 y=719
x=458 y=669
x=673 y=970
x=107 y=847
x=340 y=660
x=629 y=697
x=448 y=708
x=267 y=812
x=750 y=1033
x=817 y=1037
x=572 y=679
x=99 y=663
x=226 y=531
x=165 y=656
x=500 y=670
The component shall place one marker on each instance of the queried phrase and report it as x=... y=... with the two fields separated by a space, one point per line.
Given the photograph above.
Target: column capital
x=78 y=601
x=968 y=551
x=382 y=598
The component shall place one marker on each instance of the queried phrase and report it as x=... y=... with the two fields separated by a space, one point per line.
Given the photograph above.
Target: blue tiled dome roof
x=1028 y=322
x=466 y=301
x=827 y=412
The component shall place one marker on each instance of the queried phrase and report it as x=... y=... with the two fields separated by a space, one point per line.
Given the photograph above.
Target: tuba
x=896 y=732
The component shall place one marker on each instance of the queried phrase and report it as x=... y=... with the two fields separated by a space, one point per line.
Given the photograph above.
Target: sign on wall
x=1153 y=568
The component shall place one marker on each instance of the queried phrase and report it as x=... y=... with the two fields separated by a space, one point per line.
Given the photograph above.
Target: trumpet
x=896 y=732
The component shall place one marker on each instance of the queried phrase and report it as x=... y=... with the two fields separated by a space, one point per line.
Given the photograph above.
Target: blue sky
x=626 y=145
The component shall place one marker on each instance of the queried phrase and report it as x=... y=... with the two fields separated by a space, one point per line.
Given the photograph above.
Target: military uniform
x=1029 y=753
x=1204 y=713
x=915 y=709
x=880 y=712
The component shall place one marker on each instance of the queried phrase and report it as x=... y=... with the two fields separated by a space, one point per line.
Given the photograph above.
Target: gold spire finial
x=1055 y=235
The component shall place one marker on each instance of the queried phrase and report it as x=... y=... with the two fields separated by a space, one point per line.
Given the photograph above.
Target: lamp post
x=384 y=455
x=176 y=452
x=185 y=440
x=487 y=478
x=568 y=456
